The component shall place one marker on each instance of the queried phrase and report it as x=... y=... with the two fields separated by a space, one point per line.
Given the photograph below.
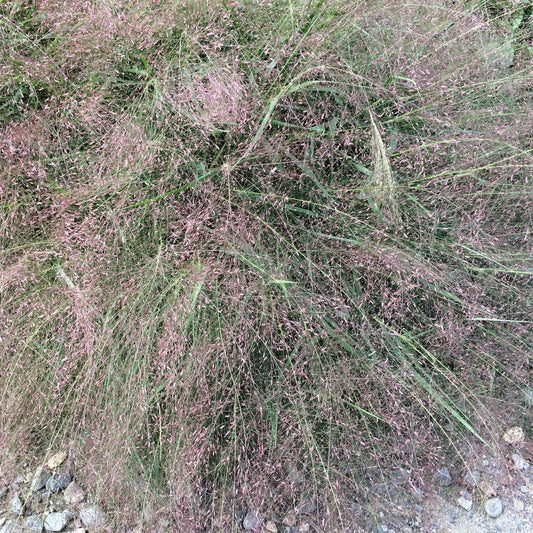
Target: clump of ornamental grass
x=259 y=251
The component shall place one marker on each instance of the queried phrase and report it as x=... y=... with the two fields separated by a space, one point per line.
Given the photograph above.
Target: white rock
x=92 y=516
x=11 y=526
x=58 y=521
x=16 y=506
x=465 y=501
x=494 y=507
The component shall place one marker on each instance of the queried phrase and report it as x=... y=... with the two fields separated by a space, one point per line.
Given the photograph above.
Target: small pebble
x=524 y=489
x=34 y=523
x=494 y=507
x=92 y=516
x=465 y=501
x=251 y=520
x=518 y=504
x=16 y=505
x=39 y=479
x=443 y=477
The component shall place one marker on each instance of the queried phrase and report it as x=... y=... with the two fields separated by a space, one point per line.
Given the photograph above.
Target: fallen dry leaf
x=514 y=435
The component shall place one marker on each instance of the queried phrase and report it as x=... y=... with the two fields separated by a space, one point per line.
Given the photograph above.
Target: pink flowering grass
x=254 y=251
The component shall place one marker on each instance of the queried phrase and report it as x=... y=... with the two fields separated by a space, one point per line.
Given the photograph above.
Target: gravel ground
x=479 y=490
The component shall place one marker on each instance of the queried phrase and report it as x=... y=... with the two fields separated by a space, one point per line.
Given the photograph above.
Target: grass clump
x=256 y=250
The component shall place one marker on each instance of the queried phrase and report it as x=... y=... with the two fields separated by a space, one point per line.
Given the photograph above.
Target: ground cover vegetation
x=251 y=250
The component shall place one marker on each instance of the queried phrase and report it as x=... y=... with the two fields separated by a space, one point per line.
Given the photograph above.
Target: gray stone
x=92 y=516
x=57 y=521
x=16 y=505
x=251 y=520
x=74 y=494
x=3 y=491
x=58 y=482
x=39 y=479
x=494 y=507
x=12 y=526
x=443 y=477
x=34 y=523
